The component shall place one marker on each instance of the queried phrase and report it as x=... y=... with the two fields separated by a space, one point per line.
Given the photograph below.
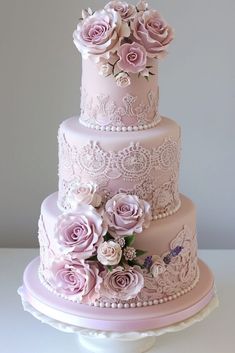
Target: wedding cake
x=118 y=234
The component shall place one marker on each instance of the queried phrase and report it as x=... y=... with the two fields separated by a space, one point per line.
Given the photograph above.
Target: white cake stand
x=118 y=330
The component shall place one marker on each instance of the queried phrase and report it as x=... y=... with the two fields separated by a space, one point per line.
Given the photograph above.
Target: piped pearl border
x=111 y=128
x=168 y=213
x=141 y=304
x=133 y=305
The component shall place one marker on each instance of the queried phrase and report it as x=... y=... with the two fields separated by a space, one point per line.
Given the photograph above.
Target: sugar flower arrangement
x=94 y=248
x=122 y=38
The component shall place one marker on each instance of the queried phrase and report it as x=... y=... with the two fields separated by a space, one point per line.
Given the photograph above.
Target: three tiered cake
x=118 y=234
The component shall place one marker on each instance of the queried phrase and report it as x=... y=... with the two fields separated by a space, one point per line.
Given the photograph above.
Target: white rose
x=105 y=70
x=158 y=267
x=123 y=79
x=83 y=193
x=109 y=253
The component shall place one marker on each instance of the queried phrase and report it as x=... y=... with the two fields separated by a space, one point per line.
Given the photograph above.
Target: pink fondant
x=156 y=238
x=105 y=103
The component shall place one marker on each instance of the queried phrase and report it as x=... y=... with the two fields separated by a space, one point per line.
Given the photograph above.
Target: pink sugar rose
x=123 y=283
x=126 y=215
x=100 y=34
x=125 y=10
x=133 y=57
x=153 y=32
x=78 y=280
x=80 y=232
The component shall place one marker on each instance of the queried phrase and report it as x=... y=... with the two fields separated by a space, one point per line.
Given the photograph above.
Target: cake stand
x=118 y=330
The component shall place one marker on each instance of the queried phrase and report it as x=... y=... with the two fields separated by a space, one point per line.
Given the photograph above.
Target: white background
x=40 y=87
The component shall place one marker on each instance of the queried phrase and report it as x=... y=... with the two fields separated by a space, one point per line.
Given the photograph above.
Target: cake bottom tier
x=169 y=266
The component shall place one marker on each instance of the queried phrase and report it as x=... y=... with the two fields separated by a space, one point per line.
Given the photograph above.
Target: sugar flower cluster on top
x=122 y=38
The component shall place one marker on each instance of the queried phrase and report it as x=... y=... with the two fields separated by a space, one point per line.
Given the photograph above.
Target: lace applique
x=151 y=174
x=180 y=274
x=102 y=110
x=45 y=246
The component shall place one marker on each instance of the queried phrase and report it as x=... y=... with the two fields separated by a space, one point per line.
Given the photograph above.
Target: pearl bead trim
x=166 y=214
x=141 y=304
x=110 y=128
x=110 y=305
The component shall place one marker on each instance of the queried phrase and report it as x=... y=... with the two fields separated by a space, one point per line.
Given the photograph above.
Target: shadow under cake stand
x=118 y=330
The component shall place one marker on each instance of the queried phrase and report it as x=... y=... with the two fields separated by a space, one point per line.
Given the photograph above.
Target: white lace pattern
x=151 y=174
x=103 y=111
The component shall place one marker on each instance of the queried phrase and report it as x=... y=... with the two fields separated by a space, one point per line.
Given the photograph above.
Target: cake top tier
x=120 y=46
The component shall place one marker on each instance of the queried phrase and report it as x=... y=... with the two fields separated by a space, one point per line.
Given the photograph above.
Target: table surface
x=20 y=332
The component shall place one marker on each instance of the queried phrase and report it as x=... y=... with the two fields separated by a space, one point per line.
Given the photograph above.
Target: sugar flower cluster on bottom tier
x=94 y=253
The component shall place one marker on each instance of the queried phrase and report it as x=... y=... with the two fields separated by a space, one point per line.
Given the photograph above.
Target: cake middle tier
x=143 y=163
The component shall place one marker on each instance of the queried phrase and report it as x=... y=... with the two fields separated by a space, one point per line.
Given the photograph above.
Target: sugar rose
x=109 y=253
x=126 y=11
x=99 y=35
x=78 y=280
x=123 y=284
x=133 y=57
x=123 y=80
x=83 y=193
x=80 y=232
x=158 y=266
x=126 y=215
x=153 y=32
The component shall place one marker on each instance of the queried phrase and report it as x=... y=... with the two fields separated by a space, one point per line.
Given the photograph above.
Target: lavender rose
x=158 y=266
x=83 y=193
x=123 y=283
x=127 y=214
x=80 y=232
x=78 y=280
x=100 y=34
x=153 y=32
x=126 y=11
x=109 y=253
x=133 y=57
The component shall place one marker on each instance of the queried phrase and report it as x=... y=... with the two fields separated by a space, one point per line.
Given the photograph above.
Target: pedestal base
x=101 y=345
